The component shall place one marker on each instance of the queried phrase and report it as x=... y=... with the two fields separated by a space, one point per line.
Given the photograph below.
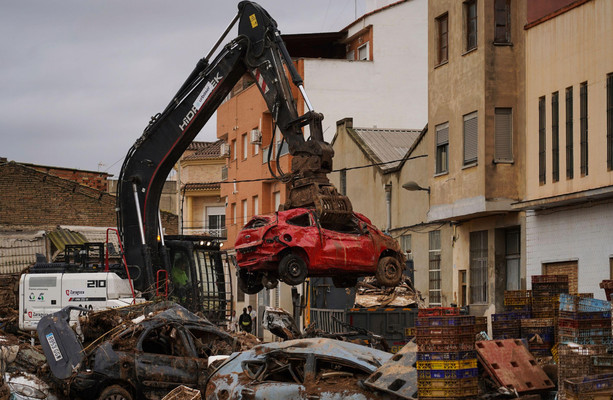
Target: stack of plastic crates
x=607 y=285
x=546 y=290
x=518 y=301
x=584 y=321
x=576 y=360
x=591 y=387
x=540 y=335
x=518 y=306
x=446 y=361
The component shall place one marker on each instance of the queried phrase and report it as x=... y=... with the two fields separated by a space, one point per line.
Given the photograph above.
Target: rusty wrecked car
x=144 y=358
x=291 y=245
x=315 y=368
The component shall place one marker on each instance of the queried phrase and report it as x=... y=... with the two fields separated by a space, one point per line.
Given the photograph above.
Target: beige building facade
x=569 y=148
x=372 y=166
x=476 y=118
x=200 y=205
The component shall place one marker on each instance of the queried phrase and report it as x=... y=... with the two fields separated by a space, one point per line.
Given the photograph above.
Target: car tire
x=292 y=269
x=344 y=281
x=115 y=392
x=249 y=282
x=270 y=282
x=389 y=272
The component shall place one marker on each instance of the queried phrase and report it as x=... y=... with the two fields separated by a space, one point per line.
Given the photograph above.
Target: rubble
x=370 y=294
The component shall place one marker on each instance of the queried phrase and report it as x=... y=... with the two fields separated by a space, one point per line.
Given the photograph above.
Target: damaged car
x=293 y=244
x=298 y=369
x=142 y=358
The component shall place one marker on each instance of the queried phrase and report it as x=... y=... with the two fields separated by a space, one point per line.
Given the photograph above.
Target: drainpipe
x=388 y=201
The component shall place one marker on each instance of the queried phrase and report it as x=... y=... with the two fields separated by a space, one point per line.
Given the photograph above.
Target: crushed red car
x=291 y=245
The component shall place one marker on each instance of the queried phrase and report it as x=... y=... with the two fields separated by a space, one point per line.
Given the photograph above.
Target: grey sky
x=79 y=79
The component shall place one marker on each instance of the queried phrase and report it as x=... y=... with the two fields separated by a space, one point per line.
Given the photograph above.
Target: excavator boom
x=259 y=51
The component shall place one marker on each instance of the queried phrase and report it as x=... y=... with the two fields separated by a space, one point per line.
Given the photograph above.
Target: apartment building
x=569 y=141
x=476 y=118
x=200 y=204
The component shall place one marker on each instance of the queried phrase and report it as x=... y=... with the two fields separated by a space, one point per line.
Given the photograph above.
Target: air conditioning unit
x=224 y=150
x=256 y=136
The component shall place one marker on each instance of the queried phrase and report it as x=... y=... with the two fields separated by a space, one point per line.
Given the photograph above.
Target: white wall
x=582 y=234
x=392 y=90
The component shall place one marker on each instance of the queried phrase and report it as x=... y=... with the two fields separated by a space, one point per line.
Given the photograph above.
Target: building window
x=471 y=135
x=277 y=200
x=503 y=140
x=502 y=18
x=434 y=267
x=512 y=256
x=442 y=24
x=265 y=155
x=555 y=138
x=234 y=149
x=542 y=140
x=470 y=11
x=610 y=122
x=570 y=172
x=233 y=209
x=282 y=147
x=244 y=207
x=245 y=146
x=442 y=147
x=343 y=182
x=478 y=267
x=363 y=52
x=256 y=205
x=216 y=221
x=583 y=127
x=405 y=243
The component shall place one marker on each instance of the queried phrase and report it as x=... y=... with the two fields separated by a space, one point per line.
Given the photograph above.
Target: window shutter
x=470 y=138
x=503 y=140
x=442 y=134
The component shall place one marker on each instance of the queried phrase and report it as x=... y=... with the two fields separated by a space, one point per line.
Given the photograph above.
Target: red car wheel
x=292 y=269
x=388 y=272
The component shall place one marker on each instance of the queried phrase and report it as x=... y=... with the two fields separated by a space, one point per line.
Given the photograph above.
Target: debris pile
x=370 y=294
x=9 y=287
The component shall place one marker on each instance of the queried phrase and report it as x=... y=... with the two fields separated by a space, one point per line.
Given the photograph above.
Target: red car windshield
x=258 y=222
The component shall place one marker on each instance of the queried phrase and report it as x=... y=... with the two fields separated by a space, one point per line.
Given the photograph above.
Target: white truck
x=82 y=280
x=45 y=293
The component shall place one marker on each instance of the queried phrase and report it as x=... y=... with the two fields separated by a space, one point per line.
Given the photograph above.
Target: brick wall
x=33 y=198
x=95 y=180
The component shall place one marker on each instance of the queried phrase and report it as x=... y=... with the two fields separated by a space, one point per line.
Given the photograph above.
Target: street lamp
x=412 y=186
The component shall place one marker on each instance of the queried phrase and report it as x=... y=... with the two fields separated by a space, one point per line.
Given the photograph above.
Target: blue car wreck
x=299 y=369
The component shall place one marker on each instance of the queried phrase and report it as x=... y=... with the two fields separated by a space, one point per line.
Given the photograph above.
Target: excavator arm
x=259 y=51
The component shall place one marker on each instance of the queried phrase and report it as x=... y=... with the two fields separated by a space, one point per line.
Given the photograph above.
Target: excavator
x=149 y=255
x=259 y=51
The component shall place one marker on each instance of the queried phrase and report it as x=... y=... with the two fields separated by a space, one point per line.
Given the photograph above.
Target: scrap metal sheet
x=398 y=375
x=510 y=363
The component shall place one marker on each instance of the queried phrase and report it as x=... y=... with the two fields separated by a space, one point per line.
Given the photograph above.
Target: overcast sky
x=79 y=79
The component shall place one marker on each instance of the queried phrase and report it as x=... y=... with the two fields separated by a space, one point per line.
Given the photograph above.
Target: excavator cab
x=199 y=276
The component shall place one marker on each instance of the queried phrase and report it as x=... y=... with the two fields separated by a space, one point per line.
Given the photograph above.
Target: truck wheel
x=344 y=281
x=249 y=282
x=115 y=392
x=292 y=269
x=388 y=272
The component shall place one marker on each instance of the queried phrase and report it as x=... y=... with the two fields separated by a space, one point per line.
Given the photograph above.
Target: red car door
x=350 y=250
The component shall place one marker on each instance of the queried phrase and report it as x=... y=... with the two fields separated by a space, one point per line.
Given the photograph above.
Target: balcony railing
x=224 y=173
x=215 y=232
